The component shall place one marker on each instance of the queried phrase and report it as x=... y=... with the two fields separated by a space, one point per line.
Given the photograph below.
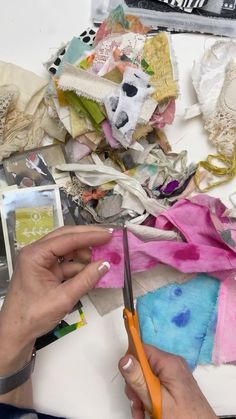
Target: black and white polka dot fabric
x=87 y=36
x=53 y=68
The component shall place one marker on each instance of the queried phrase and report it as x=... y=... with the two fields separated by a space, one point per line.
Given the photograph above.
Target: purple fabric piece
x=106 y=127
x=174 y=184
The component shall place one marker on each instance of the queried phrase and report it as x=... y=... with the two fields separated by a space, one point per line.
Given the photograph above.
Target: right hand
x=181 y=396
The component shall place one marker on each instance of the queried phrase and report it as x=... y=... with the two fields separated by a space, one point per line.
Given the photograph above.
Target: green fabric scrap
x=146 y=67
x=87 y=107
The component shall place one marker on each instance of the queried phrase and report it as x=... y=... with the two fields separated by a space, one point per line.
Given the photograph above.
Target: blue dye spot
x=178 y=291
x=182 y=319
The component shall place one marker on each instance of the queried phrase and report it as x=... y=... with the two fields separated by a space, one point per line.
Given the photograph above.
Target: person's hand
x=45 y=286
x=181 y=396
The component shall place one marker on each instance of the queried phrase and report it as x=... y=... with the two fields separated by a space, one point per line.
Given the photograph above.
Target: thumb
x=84 y=281
x=133 y=375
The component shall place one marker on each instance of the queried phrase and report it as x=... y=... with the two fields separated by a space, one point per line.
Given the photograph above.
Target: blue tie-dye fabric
x=181 y=319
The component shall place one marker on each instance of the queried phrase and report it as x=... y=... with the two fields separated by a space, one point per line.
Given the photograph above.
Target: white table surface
x=77 y=376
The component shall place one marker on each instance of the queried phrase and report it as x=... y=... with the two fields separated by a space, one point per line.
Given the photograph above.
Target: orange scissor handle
x=136 y=349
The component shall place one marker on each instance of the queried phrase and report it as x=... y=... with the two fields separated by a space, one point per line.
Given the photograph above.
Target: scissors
x=135 y=343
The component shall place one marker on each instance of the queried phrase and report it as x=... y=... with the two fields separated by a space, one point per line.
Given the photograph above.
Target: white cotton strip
x=85 y=84
x=97 y=88
x=192 y=111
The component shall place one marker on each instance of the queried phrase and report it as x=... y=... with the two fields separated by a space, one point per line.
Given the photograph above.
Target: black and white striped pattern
x=173 y=3
x=192 y=3
x=185 y=4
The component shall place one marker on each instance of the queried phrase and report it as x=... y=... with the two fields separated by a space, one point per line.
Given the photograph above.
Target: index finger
x=55 y=247
x=72 y=229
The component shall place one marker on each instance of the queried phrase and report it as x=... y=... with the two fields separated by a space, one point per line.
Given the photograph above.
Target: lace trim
x=5 y=102
x=22 y=132
x=222 y=125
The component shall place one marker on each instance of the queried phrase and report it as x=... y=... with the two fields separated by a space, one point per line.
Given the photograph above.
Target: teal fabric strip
x=74 y=52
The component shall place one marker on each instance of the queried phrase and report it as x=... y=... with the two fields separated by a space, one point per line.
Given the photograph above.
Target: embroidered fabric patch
x=157 y=55
x=32 y=224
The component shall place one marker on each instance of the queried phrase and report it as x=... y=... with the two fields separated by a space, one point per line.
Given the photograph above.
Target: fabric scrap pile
x=205 y=243
x=114 y=98
x=111 y=93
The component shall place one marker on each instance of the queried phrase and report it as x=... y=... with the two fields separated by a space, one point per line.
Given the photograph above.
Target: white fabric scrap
x=209 y=74
x=85 y=84
x=30 y=86
x=146 y=233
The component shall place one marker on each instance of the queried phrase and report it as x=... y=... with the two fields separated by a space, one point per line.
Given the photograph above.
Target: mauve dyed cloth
x=181 y=319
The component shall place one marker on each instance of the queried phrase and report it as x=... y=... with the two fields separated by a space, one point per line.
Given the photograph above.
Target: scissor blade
x=127 y=290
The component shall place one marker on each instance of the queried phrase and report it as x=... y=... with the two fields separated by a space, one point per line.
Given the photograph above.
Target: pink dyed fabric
x=106 y=127
x=225 y=339
x=160 y=119
x=209 y=246
x=186 y=257
x=204 y=249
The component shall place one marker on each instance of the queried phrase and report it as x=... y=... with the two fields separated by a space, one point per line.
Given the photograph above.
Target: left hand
x=42 y=290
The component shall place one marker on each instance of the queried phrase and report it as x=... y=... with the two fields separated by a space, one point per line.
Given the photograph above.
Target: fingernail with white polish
x=104 y=268
x=127 y=365
x=110 y=230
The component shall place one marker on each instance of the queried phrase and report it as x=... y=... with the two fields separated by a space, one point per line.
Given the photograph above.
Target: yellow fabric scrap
x=114 y=75
x=95 y=137
x=79 y=124
x=32 y=224
x=157 y=54
x=141 y=131
x=225 y=172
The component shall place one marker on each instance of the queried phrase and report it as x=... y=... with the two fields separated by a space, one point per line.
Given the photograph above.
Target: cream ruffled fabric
x=222 y=125
x=23 y=113
x=214 y=79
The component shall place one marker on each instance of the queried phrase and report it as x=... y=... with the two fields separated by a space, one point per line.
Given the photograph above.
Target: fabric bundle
x=208 y=246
